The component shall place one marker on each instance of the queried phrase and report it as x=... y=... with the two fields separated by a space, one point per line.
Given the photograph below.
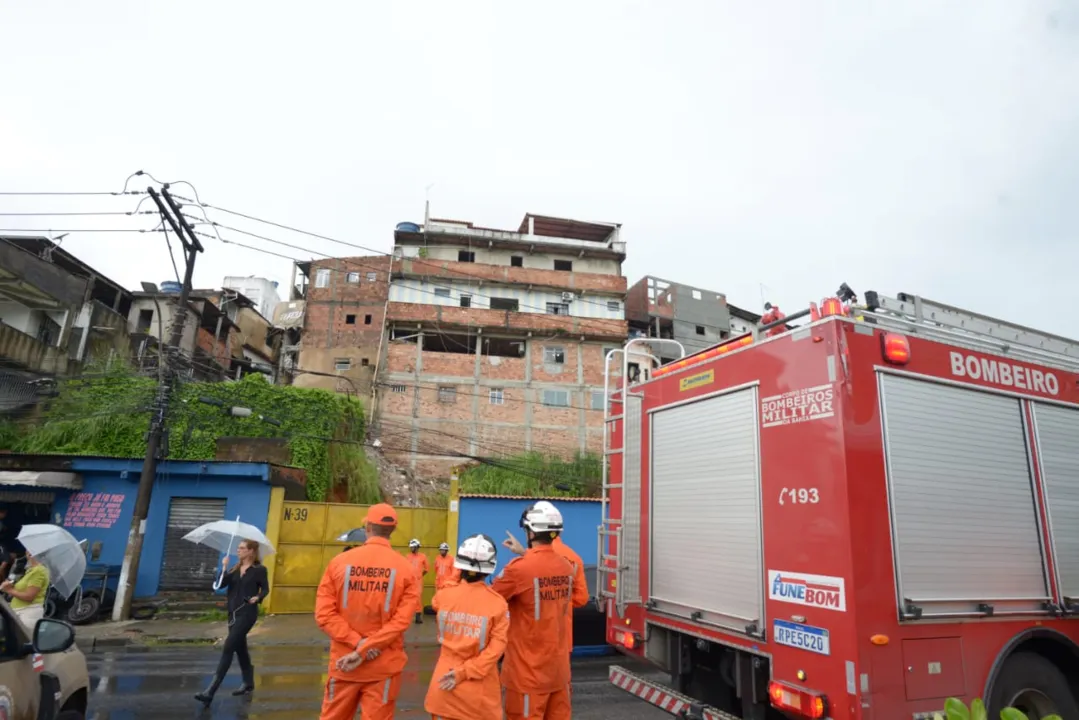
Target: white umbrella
x=59 y=552
x=225 y=535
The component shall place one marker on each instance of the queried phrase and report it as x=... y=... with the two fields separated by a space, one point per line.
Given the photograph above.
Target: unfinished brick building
x=476 y=341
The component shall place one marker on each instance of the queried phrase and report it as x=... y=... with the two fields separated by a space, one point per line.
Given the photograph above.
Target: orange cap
x=382 y=514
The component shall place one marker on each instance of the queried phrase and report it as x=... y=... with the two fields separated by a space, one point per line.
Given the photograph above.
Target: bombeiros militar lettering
x=371 y=579
x=555 y=587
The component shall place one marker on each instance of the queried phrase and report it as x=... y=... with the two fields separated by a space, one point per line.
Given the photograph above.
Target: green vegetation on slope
x=536 y=475
x=108 y=414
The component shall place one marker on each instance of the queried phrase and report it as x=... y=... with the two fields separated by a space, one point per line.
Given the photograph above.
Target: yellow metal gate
x=308 y=539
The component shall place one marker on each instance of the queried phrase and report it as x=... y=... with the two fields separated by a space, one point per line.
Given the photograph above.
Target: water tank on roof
x=171 y=287
x=408 y=227
x=274 y=283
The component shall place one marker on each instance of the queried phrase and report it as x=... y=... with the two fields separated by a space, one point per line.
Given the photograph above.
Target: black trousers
x=236 y=643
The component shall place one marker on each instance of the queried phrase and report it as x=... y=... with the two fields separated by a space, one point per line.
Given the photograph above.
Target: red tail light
x=896 y=348
x=628 y=640
x=801 y=702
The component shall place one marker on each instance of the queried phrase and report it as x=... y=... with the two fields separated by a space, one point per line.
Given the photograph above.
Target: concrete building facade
x=263 y=293
x=56 y=314
x=471 y=341
x=206 y=340
x=695 y=317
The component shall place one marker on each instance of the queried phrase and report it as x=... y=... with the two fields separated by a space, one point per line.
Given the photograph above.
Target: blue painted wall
x=494 y=516
x=244 y=486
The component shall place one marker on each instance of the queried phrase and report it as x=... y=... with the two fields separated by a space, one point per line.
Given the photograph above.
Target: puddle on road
x=289 y=683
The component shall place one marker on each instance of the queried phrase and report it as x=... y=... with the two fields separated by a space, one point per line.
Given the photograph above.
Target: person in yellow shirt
x=28 y=592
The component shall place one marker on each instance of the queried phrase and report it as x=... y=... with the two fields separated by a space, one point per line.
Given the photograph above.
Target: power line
x=172 y=256
x=80 y=230
x=73 y=214
x=70 y=194
x=495 y=386
x=487 y=443
x=419 y=261
x=352 y=263
x=357 y=246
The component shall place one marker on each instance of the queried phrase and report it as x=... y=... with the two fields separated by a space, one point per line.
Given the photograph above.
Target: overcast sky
x=928 y=147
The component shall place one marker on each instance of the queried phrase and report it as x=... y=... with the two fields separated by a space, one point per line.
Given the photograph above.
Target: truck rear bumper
x=663 y=697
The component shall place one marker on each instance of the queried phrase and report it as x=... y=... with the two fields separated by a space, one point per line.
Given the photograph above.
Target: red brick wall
x=497 y=430
x=328 y=309
x=507 y=320
x=223 y=355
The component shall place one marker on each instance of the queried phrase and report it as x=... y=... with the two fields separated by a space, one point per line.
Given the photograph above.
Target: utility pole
x=129 y=571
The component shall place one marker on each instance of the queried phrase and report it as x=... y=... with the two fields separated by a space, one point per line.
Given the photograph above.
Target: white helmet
x=444 y=546
x=413 y=543
x=542 y=517
x=477 y=554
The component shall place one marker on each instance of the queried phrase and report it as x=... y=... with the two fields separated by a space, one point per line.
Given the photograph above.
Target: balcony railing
x=18 y=348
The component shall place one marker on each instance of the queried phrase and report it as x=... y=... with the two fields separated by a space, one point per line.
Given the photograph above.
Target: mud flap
x=49 y=705
x=666 y=699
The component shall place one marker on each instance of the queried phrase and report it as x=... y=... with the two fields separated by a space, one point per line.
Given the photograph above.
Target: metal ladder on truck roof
x=923 y=317
x=610 y=563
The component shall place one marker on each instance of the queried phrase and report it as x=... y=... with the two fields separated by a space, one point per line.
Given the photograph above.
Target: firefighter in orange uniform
x=473 y=621
x=580 y=583
x=446 y=573
x=419 y=567
x=363 y=603
x=539 y=588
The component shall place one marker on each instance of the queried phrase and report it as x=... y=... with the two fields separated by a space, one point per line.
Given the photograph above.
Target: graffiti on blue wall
x=101 y=512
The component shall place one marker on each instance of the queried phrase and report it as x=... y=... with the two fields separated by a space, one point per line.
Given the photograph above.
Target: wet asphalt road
x=158 y=684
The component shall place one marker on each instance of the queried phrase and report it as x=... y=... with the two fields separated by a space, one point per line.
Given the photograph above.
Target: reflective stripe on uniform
x=569 y=605
x=536 y=600
x=389 y=594
x=329 y=690
x=526 y=705
x=386 y=691
x=483 y=633
x=344 y=590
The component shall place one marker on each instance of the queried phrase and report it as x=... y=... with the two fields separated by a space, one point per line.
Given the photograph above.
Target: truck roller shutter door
x=1058 y=449
x=964 y=526
x=706 y=504
x=630 y=551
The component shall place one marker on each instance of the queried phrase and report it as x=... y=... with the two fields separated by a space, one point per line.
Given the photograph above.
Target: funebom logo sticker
x=818 y=591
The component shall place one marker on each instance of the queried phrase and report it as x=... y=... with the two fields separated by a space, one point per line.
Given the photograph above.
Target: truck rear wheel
x=1031 y=683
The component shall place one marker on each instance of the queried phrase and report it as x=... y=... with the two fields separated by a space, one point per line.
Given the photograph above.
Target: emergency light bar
x=724 y=348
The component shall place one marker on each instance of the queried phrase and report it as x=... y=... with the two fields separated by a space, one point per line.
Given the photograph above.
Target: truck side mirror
x=52 y=636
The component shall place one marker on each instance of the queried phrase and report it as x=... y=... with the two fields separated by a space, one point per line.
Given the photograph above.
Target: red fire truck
x=856 y=518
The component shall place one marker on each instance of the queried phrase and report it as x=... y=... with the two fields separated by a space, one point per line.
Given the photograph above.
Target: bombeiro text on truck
x=856 y=518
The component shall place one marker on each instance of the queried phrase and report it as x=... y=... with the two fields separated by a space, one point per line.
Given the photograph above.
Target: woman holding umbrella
x=248 y=585
x=28 y=592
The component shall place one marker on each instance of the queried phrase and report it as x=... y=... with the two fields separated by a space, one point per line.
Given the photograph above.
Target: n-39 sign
x=296 y=514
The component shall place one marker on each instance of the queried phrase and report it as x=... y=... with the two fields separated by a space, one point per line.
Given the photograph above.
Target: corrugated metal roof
x=529 y=497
